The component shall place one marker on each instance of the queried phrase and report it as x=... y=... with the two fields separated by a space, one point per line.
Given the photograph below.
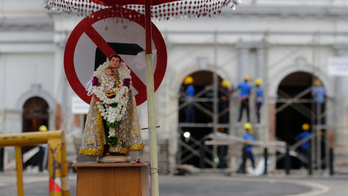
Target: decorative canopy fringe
x=160 y=9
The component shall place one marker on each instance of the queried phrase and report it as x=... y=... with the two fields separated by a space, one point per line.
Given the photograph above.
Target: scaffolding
x=295 y=102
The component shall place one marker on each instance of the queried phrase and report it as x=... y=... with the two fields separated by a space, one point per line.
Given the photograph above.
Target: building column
x=2 y=92
x=243 y=59
x=59 y=88
x=260 y=63
x=243 y=63
x=272 y=120
x=268 y=108
x=341 y=135
x=243 y=70
x=173 y=120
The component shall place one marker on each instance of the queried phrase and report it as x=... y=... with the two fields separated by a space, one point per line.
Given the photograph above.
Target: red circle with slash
x=106 y=32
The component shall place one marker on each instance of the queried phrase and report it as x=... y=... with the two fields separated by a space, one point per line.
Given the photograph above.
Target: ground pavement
x=204 y=185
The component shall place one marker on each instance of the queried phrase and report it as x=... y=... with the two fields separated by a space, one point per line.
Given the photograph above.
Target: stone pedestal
x=95 y=179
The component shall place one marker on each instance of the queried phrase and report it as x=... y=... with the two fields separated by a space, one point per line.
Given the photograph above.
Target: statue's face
x=115 y=63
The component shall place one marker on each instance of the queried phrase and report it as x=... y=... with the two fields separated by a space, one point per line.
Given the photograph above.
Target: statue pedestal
x=95 y=179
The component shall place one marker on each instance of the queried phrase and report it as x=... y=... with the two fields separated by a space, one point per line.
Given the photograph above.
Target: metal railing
x=57 y=162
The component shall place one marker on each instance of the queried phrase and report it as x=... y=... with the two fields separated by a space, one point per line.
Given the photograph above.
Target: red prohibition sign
x=85 y=27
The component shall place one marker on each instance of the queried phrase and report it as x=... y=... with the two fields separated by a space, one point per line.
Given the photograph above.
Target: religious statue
x=112 y=126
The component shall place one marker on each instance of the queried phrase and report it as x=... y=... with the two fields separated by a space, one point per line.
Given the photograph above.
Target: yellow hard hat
x=317 y=82
x=188 y=80
x=248 y=126
x=258 y=81
x=246 y=78
x=42 y=128
x=225 y=83
x=305 y=126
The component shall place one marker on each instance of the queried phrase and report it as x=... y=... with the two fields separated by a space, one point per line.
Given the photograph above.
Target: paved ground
x=204 y=185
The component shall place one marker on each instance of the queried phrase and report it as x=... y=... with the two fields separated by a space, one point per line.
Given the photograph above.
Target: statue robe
x=128 y=131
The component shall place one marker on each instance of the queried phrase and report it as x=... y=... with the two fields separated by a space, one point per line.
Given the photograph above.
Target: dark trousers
x=223 y=104
x=38 y=160
x=305 y=153
x=258 y=107
x=244 y=104
x=190 y=116
x=222 y=151
x=321 y=110
x=248 y=155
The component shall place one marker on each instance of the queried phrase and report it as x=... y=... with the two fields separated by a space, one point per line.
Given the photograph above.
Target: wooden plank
x=255 y=143
x=145 y=181
x=95 y=181
x=223 y=139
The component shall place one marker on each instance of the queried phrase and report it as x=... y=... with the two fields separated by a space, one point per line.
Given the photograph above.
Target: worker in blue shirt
x=190 y=116
x=245 y=89
x=259 y=97
x=306 y=146
x=247 y=149
x=319 y=94
x=223 y=101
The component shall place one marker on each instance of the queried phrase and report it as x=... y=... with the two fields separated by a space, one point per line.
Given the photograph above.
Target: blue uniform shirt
x=303 y=135
x=190 y=92
x=245 y=89
x=319 y=94
x=259 y=94
x=249 y=137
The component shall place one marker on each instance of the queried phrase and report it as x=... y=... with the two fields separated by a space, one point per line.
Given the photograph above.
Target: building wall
x=23 y=70
x=32 y=42
x=300 y=40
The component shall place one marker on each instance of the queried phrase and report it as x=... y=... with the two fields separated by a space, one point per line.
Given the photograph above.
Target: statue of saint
x=112 y=126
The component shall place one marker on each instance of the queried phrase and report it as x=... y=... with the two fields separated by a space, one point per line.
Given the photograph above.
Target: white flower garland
x=112 y=114
x=111 y=132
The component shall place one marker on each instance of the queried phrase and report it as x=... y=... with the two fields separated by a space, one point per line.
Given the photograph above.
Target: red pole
x=148 y=26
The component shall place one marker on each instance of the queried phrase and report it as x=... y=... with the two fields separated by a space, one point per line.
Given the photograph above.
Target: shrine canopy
x=124 y=2
x=160 y=9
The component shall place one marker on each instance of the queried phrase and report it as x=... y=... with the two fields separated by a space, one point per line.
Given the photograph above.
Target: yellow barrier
x=57 y=163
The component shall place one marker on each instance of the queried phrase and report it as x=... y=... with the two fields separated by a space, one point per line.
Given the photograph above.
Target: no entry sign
x=107 y=32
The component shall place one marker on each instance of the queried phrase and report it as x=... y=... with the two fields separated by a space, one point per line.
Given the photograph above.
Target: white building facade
x=270 y=40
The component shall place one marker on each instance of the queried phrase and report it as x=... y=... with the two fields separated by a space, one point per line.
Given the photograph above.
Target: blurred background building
x=286 y=43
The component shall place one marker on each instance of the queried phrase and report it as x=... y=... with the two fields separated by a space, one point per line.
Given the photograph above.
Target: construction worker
x=258 y=98
x=245 y=89
x=38 y=164
x=223 y=101
x=247 y=149
x=319 y=94
x=190 y=116
x=223 y=118
x=306 y=146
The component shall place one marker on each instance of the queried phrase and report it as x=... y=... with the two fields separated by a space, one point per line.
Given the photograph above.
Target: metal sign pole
x=265 y=109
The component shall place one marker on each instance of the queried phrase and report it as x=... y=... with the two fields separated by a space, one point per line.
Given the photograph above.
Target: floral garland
x=111 y=109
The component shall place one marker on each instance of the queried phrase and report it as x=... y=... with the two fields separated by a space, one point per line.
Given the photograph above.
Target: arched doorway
x=290 y=116
x=35 y=114
x=192 y=150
